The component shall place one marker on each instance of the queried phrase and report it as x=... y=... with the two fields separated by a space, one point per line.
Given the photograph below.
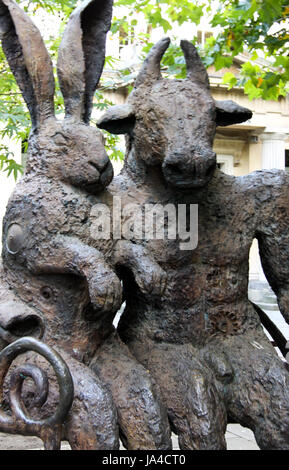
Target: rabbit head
x=68 y=150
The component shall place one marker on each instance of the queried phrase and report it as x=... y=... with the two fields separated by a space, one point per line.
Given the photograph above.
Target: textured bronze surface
x=190 y=349
x=202 y=340
x=56 y=284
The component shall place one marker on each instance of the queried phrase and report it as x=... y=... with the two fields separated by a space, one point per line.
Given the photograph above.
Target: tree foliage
x=259 y=27
x=256 y=28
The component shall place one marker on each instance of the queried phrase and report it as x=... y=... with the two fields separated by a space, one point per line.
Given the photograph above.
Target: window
x=126 y=38
x=202 y=36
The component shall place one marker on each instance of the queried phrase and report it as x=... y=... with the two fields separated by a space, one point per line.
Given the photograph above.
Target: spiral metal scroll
x=49 y=430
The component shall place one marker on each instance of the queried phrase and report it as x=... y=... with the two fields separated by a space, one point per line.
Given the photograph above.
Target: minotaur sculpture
x=202 y=340
x=56 y=285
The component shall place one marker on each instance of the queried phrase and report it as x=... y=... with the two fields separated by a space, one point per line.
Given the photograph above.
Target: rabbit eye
x=59 y=139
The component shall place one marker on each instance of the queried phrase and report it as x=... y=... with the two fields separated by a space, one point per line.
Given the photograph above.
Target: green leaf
x=249 y=69
x=252 y=91
x=230 y=79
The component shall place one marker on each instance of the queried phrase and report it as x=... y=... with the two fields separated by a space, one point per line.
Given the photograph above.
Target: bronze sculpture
x=49 y=259
x=195 y=351
x=202 y=340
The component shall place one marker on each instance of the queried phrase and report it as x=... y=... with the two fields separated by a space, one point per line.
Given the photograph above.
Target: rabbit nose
x=95 y=165
x=105 y=171
x=99 y=164
x=107 y=174
x=98 y=158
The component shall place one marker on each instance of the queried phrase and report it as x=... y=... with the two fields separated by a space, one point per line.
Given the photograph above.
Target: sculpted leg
x=142 y=418
x=258 y=396
x=195 y=409
x=92 y=422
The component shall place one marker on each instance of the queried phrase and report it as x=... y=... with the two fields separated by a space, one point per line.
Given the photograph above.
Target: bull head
x=172 y=123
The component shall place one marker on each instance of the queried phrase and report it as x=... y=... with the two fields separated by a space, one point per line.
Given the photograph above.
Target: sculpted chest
x=216 y=230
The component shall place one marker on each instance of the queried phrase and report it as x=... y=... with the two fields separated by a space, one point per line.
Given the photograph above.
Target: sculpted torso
x=191 y=360
x=55 y=284
x=206 y=291
x=202 y=340
x=45 y=236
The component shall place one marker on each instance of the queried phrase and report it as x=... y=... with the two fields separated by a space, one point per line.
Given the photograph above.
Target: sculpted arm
x=273 y=238
x=149 y=276
x=69 y=255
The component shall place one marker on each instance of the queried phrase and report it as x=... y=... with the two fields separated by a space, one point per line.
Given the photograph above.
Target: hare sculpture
x=50 y=262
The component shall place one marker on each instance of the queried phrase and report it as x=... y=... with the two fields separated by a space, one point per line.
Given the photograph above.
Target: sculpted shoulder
x=265 y=185
x=267 y=192
x=260 y=192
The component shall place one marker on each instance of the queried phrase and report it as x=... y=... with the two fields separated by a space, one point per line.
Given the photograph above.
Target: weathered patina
x=51 y=266
x=190 y=349
x=202 y=340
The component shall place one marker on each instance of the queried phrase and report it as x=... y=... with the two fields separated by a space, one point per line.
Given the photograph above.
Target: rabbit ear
x=28 y=60
x=81 y=56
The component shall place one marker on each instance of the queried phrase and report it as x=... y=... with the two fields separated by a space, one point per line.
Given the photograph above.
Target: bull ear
x=228 y=112
x=118 y=119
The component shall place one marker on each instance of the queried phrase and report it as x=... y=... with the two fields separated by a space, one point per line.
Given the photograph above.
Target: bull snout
x=188 y=170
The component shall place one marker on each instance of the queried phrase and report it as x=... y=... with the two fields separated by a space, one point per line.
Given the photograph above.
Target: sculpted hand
x=105 y=290
x=149 y=276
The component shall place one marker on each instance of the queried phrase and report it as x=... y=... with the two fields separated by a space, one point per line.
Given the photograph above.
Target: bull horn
x=151 y=69
x=196 y=71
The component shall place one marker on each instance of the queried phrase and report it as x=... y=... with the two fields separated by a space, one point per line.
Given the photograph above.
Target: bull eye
x=46 y=293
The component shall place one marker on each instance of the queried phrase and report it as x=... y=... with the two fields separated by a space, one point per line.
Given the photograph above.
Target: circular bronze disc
x=15 y=239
